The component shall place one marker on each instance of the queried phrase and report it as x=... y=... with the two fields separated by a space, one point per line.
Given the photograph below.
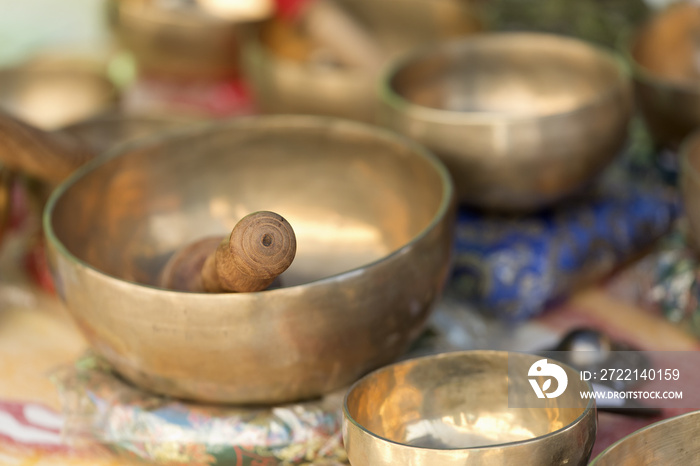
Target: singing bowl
x=284 y=79
x=452 y=409
x=373 y=216
x=52 y=91
x=671 y=442
x=690 y=185
x=663 y=58
x=521 y=119
x=179 y=38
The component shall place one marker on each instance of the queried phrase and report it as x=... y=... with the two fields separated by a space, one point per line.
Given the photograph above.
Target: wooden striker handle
x=261 y=246
x=50 y=156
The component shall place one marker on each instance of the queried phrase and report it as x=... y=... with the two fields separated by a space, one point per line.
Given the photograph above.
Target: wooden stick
x=261 y=246
x=50 y=156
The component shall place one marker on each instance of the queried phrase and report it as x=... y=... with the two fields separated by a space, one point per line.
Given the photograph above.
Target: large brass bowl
x=453 y=409
x=373 y=216
x=663 y=58
x=671 y=442
x=520 y=119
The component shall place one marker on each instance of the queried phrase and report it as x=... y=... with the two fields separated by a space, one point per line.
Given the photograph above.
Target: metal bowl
x=180 y=38
x=520 y=119
x=55 y=90
x=690 y=184
x=453 y=409
x=671 y=442
x=285 y=80
x=373 y=216
x=667 y=80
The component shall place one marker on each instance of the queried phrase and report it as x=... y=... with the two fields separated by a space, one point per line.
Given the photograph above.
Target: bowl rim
x=591 y=405
x=446 y=204
x=649 y=427
x=389 y=97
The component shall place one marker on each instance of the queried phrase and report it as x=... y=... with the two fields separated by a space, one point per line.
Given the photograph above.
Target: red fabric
x=289 y=9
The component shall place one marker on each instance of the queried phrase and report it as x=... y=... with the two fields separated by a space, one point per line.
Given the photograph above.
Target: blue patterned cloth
x=514 y=267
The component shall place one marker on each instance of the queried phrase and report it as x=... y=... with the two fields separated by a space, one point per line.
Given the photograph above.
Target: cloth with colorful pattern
x=98 y=405
x=515 y=266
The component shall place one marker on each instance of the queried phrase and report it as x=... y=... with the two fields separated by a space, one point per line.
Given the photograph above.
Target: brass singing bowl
x=690 y=184
x=53 y=90
x=373 y=216
x=521 y=119
x=452 y=409
x=671 y=442
x=179 y=38
x=663 y=58
x=284 y=80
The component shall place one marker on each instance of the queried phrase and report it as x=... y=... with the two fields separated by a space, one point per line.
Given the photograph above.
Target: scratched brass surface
x=671 y=442
x=520 y=119
x=373 y=216
x=452 y=409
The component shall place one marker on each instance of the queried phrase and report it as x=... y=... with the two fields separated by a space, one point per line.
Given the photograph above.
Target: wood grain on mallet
x=261 y=246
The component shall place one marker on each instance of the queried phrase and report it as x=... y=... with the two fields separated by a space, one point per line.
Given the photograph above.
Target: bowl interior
x=351 y=193
x=672 y=442
x=507 y=74
x=457 y=400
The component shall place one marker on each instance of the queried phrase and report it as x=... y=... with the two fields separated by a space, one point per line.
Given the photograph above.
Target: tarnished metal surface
x=671 y=442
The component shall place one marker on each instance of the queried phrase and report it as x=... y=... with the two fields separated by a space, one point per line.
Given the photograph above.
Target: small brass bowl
x=666 y=75
x=373 y=216
x=520 y=119
x=179 y=38
x=671 y=442
x=452 y=409
x=52 y=91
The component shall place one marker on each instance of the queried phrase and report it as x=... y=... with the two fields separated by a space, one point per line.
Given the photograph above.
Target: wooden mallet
x=261 y=246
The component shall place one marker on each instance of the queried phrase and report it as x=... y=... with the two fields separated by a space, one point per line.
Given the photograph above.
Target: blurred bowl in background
x=690 y=185
x=181 y=38
x=664 y=55
x=54 y=90
x=453 y=409
x=521 y=119
x=5 y=204
x=289 y=73
x=50 y=91
x=373 y=215
x=671 y=442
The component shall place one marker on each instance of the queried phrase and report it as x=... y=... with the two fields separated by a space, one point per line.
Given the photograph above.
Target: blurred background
x=565 y=148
